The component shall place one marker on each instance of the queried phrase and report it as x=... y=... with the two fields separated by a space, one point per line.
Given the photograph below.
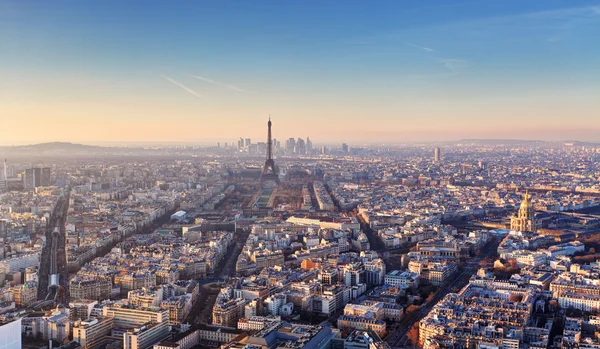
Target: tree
x=485 y=262
x=425 y=291
x=411 y=308
x=413 y=334
x=430 y=297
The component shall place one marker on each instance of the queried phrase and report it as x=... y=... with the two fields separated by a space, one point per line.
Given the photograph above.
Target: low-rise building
x=403 y=279
x=95 y=288
x=92 y=333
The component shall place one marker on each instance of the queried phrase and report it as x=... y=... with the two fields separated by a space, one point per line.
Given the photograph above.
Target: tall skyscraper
x=261 y=147
x=4 y=178
x=309 y=145
x=344 y=148
x=29 y=180
x=436 y=155
x=45 y=177
x=290 y=145
x=36 y=177
x=300 y=147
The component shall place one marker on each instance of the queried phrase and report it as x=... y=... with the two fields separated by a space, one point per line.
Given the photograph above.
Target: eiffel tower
x=270 y=171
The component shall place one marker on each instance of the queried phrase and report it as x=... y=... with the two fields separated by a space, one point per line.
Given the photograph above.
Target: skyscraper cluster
x=299 y=146
x=291 y=146
x=36 y=177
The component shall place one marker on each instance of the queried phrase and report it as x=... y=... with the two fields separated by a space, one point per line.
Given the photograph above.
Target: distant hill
x=62 y=150
x=522 y=141
x=55 y=146
x=583 y=144
x=500 y=141
x=65 y=150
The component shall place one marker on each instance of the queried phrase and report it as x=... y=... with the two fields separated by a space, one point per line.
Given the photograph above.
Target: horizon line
x=217 y=140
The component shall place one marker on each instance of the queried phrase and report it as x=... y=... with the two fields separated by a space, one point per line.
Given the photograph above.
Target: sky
x=338 y=71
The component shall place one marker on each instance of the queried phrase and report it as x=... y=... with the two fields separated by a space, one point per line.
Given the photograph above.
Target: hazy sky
x=354 y=71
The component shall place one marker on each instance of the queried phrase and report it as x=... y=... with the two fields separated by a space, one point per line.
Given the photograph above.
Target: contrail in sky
x=182 y=86
x=211 y=81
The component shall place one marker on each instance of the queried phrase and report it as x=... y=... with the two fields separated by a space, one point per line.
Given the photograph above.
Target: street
x=399 y=339
x=202 y=310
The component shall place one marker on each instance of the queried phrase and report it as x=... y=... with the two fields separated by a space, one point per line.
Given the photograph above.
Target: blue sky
x=91 y=71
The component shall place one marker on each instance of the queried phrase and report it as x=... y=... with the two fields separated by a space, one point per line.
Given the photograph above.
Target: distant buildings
x=36 y=177
x=290 y=145
x=300 y=148
x=437 y=155
x=307 y=258
x=4 y=178
x=323 y=198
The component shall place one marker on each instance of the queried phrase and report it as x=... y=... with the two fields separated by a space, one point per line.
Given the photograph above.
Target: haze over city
x=260 y=174
x=110 y=71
